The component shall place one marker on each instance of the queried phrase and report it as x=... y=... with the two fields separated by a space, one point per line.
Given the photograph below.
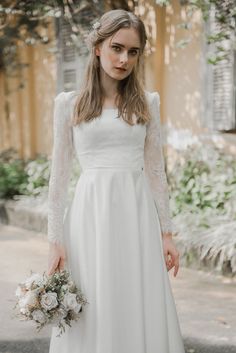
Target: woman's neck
x=109 y=86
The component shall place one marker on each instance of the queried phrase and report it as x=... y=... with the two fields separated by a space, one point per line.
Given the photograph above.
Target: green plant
x=203 y=205
x=29 y=177
x=12 y=174
x=27 y=23
x=22 y=177
x=207 y=238
x=37 y=171
x=203 y=177
x=224 y=17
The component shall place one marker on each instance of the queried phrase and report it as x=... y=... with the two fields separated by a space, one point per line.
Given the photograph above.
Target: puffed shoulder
x=65 y=96
x=152 y=97
x=59 y=97
x=65 y=101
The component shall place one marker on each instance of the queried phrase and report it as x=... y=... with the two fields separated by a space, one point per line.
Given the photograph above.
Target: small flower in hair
x=96 y=25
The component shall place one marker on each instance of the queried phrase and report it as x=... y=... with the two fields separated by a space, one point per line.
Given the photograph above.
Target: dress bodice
x=107 y=141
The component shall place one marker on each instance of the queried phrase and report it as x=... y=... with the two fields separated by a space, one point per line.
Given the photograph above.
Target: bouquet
x=49 y=299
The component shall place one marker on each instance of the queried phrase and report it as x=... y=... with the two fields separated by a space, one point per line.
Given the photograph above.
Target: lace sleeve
x=62 y=154
x=154 y=165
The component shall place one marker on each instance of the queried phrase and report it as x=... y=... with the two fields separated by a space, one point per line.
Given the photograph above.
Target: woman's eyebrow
x=123 y=46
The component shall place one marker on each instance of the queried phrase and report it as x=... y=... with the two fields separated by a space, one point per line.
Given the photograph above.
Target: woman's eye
x=116 y=48
x=133 y=52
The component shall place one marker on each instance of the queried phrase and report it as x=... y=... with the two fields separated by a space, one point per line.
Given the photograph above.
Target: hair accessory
x=96 y=25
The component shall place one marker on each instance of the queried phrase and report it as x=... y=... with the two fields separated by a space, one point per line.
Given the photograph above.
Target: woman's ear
x=97 y=51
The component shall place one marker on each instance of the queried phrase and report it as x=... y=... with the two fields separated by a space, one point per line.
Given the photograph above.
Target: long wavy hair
x=131 y=97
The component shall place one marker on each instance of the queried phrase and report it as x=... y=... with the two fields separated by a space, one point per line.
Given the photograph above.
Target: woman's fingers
x=176 y=269
x=53 y=266
x=169 y=262
x=166 y=258
x=176 y=263
x=57 y=266
x=61 y=264
x=173 y=261
x=51 y=270
x=56 y=258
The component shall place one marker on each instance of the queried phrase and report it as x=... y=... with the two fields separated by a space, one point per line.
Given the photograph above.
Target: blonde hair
x=132 y=99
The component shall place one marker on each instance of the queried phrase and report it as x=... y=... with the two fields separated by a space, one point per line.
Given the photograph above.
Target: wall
x=26 y=114
x=177 y=74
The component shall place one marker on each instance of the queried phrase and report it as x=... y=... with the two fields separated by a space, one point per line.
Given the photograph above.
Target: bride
x=115 y=236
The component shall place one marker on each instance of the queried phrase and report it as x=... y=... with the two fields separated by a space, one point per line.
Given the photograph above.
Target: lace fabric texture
x=63 y=154
x=155 y=165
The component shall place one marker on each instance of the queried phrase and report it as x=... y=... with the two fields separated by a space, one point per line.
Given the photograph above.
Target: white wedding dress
x=111 y=230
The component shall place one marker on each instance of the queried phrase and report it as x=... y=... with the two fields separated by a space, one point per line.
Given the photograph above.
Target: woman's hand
x=56 y=258
x=171 y=254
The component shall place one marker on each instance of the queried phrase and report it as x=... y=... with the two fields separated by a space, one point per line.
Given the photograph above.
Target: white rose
x=69 y=301
x=30 y=299
x=25 y=311
x=49 y=300
x=36 y=278
x=39 y=316
x=77 y=309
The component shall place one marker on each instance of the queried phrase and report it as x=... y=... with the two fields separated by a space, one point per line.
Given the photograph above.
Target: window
x=71 y=59
x=220 y=85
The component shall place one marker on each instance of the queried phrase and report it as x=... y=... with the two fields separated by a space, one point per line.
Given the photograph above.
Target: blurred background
x=190 y=59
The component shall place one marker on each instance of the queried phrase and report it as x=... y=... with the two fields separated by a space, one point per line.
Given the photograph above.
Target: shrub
x=38 y=172
x=12 y=174
x=203 y=204
x=203 y=177
x=29 y=177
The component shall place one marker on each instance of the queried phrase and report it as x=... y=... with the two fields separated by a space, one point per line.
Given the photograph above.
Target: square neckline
x=110 y=109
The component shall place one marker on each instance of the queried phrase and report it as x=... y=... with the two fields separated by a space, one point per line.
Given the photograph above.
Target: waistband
x=110 y=168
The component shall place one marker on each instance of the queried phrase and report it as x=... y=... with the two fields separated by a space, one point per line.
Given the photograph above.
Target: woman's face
x=119 y=53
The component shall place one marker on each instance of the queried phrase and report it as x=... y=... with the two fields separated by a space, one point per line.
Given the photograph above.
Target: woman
x=115 y=237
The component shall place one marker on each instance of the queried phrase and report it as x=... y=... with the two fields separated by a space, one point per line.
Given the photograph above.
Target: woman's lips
x=120 y=69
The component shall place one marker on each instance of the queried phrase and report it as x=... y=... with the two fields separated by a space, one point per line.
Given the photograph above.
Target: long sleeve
x=62 y=156
x=155 y=166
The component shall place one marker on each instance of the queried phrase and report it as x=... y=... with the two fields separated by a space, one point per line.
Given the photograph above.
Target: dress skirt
x=115 y=255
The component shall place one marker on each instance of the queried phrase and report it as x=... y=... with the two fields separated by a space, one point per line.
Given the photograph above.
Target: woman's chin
x=119 y=76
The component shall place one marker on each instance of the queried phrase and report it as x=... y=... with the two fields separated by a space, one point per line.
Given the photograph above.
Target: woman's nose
x=124 y=57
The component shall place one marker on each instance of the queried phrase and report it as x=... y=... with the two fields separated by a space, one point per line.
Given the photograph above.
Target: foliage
x=224 y=15
x=203 y=204
x=203 y=198
x=208 y=240
x=27 y=22
x=12 y=174
x=203 y=177
x=38 y=172
x=22 y=177
x=28 y=177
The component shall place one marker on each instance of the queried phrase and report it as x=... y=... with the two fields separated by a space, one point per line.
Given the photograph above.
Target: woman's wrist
x=166 y=235
x=56 y=246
